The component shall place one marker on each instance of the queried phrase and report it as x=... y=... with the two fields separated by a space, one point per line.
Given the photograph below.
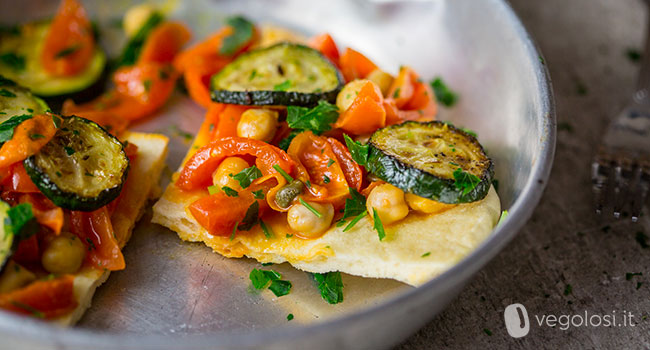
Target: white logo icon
x=516 y=318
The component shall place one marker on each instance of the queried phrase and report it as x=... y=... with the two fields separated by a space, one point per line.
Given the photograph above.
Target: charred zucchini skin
x=265 y=97
x=71 y=200
x=20 y=100
x=411 y=179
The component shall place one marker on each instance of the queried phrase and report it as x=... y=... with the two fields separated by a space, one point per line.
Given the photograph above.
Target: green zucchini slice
x=283 y=74
x=20 y=53
x=434 y=160
x=82 y=168
x=17 y=100
x=6 y=237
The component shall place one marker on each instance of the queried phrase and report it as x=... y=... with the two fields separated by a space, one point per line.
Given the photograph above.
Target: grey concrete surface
x=566 y=260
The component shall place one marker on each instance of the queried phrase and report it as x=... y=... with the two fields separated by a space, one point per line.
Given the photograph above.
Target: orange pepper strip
x=96 y=231
x=69 y=45
x=326 y=45
x=409 y=99
x=46 y=213
x=401 y=91
x=355 y=65
x=197 y=172
x=366 y=113
x=28 y=138
x=228 y=120
x=164 y=43
x=219 y=213
x=47 y=299
x=325 y=168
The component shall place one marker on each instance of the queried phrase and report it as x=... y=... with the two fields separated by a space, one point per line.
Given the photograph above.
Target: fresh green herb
x=7 y=127
x=247 y=176
x=283 y=173
x=28 y=308
x=443 y=94
x=6 y=82
x=308 y=184
x=642 y=239
x=311 y=209
x=288 y=235
x=354 y=206
x=89 y=174
x=326 y=179
x=379 y=227
x=36 y=136
x=56 y=120
x=330 y=285
x=163 y=73
x=396 y=93
x=358 y=150
x=132 y=50
x=285 y=142
x=267 y=264
x=465 y=181
x=68 y=51
x=280 y=287
x=20 y=221
x=283 y=86
x=581 y=88
x=234 y=230
x=253 y=74
x=58 y=173
x=502 y=218
x=69 y=150
x=318 y=119
x=176 y=131
x=568 y=289
x=13 y=61
x=242 y=32
x=470 y=132
x=251 y=217
x=13 y=30
x=629 y=275
x=330 y=162
x=633 y=54
x=289 y=317
x=147 y=85
x=261 y=279
x=229 y=191
x=214 y=189
x=355 y=220
x=268 y=232
x=425 y=254
x=487 y=331
x=259 y=194
x=638 y=285
x=6 y=93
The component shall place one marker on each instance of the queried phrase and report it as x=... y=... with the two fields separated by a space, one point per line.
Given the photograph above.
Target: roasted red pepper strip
x=96 y=231
x=43 y=299
x=197 y=172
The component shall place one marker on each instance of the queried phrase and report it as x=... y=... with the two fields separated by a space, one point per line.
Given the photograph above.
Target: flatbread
x=142 y=182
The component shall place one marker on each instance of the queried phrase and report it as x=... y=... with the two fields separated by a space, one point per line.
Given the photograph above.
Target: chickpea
x=382 y=79
x=303 y=220
x=64 y=254
x=231 y=165
x=349 y=92
x=389 y=202
x=258 y=124
x=136 y=17
x=425 y=205
x=14 y=277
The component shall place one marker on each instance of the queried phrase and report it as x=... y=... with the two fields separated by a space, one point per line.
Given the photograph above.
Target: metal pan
x=177 y=295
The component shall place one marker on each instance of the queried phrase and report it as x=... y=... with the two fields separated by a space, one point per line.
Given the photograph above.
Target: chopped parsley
x=396 y=93
x=355 y=207
x=28 y=308
x=318 y=119
x=268 y=232
x=633 y=54
x=379 y=227
x=330 y=285
x=280 y=287
x=289 y=317
x=358 y=151
x=253 y=74
x=283 y=86
x=6 y=93
x=629 y=275
x=355 y=220
x=311 y=209
x=285 y=142
x=642 y=239
x=288 y=235
x=147 y=85
x=36 y=136
x=20 y=221
x=234 y=230
x=568 y=289
x=15 y=62
x=283 y=173
x=242 y=33
x=465 y=181
x=425 y=254
x=443 y=94
x=259 y=194
x=247 y=176
x=263 y=278
x=251 y=217
x=487 y=331
x=67 y=51
x=132 y=50
x=330 y=162
x=326 y=179
x=176 y=131
x=56 y=120
x=7 y=127
x=69 y=150
x=229 y=191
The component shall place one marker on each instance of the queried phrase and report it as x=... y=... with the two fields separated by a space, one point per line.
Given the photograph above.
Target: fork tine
x=598 y=181
x=640 y=192
x=618 y=189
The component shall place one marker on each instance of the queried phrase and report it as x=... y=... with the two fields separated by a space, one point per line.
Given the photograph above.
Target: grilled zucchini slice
x=17 y=100
x=283 y=74
x=20 y=53
x=434 y=160
x=82 y=168
x=6 y=237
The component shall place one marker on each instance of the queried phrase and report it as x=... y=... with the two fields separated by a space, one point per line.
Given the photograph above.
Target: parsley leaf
x=268 y=232
x=317 y=119
x=443 y=94
x=289 y=317
x=6 y=93
x=132 y=50
x=330 y=285
x=354 y=205
x=247 y=176
x=261 y=278
x=251 y=217
x=285 y=142
x=15 y=62
x=259 y=194
x=330 y=162
x=229 y=191
x=379 y=227
x=7 y=127
x=465 y=181
x=242 y=32
x=69 y=150
x=358 y=151
x=68 y=51
x=280 y=287
x=283 y=86
x=20 y=221
x=425 y=254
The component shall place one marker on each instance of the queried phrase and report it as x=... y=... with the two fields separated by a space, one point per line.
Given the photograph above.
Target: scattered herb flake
x=330 y=285
x=268 y=232
x=280 y=287
x=68 y=51
x=629 y=275
x=487 y=331
x=28 y=308
x=354 y=221
x=568 y=289
x=642 y=239
x=311 y=209
x=6 y=93
x=13 y=61
x=251 y=217
x=443 y=94
x=7 y=127
x=633 y=54
x=242 y=33
x=247 y=176
x=289 y=317
x=289 y=235
x=229 y=191
x=283 y=173
x=465 y=181
x=396 y=93
x=425 y=254
x=318 y=119
x=330 y=162
x=69 y=150
x=326 y=179
x=283 y=86
x=234 y=230
x=20 y=221
x=56 y=120
x=358 y=151
x=253 y=74
x=259 y=194
x=379 y=227
x=132 y=49
x=36 y=136
x=147 y=85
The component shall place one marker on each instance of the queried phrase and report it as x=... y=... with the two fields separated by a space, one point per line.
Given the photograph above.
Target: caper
x=288 y=193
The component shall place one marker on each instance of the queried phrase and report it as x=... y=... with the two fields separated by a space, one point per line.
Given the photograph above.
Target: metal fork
x=620 y=170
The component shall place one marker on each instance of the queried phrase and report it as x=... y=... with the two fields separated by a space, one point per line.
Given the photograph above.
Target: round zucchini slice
x=20 y=53
x=283 y=74
x=434 y=160
x=82 y=168
x=17 y=100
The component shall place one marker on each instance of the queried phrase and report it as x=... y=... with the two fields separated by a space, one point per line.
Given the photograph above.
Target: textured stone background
x=564 y=244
